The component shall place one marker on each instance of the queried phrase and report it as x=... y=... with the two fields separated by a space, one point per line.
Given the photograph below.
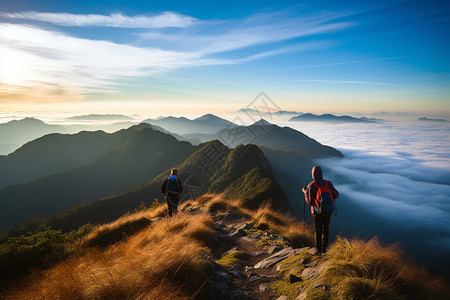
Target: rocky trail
x=258 y=264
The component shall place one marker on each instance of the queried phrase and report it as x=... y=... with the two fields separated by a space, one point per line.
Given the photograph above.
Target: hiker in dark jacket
x=172 y=187
x=316 y=195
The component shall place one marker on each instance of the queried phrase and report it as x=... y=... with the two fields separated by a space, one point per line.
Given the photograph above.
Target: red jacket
x=311 y=190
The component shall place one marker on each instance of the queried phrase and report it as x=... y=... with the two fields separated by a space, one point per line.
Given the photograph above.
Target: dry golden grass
x=123 y=227
x=186 y=204
x=300 y=235
x=268 y=219
x=367 y=269
x=275 y=220
x=167 y=260
x=205 y=198
x=218 y=203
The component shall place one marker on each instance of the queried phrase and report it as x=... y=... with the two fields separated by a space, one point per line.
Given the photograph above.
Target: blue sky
x=132 y=56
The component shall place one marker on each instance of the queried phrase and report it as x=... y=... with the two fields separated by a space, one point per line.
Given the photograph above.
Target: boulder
x=312 y=251
x=238 y=233
x=242 y=226
x=309 y=272
x=257 y=253
x=275 y=258
x=299 y=250
x=256 y=236
x=273 y=249
x=230 y=251
x=249 y=240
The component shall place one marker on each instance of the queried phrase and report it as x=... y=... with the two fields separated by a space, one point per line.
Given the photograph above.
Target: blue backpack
x=324 y=202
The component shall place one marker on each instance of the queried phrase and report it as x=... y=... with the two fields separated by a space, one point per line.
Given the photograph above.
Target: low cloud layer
x=400 y=183
x=417 y=145
x=382 y=188
x=394 y=182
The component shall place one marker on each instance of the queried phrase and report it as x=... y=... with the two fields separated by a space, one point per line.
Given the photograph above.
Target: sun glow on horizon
x=315 y=59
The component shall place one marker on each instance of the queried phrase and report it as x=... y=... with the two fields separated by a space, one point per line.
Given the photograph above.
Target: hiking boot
x=318 y=252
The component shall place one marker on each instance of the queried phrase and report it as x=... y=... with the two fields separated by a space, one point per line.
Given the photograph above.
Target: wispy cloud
x=165 y=19
x=359 y=82
x=348 y=62
x=301 y=47
x=33 y=57
x=35 y=60
x=259 y=29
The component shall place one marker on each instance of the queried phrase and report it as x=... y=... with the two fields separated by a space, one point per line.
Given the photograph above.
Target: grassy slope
x=173 y=258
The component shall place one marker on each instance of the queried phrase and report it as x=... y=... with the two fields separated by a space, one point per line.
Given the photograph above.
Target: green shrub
x=38 y=250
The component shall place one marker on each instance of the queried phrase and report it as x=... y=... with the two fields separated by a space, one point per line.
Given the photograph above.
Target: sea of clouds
x=397 y=172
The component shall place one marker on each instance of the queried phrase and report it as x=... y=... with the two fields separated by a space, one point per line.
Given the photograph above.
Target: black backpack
x=172 y=185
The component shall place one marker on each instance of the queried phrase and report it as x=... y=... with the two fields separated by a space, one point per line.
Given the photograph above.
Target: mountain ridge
x=265 y=134
x=116 y=171
x=103 y=117
x=232 y=171
x=208 y=123
x=308 y=117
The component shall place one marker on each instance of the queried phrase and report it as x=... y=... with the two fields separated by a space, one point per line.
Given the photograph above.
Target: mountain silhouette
x=99 y=117
x=121 y=161
x=143 y=154
x=243 y=173
x=425 y=119
x=15 y=133
x=251 y=111
x=329 y=118
x=205 y=124
x=265 y=134
x=53 y=153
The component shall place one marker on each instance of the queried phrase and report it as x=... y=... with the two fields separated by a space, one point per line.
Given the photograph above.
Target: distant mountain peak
x=262 y=122
x=100 y=117
x=277 y=113
x=251 y=110
x=208 y=123
x=28 y=120
x=211 y=117
x=207 y=116
x=431 y=119
x=309 y=117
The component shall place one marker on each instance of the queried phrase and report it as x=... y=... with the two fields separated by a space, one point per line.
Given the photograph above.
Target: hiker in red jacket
x=320 y=194
x=172 y=187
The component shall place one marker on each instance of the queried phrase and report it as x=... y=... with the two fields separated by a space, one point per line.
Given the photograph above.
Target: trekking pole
x=304 y=211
